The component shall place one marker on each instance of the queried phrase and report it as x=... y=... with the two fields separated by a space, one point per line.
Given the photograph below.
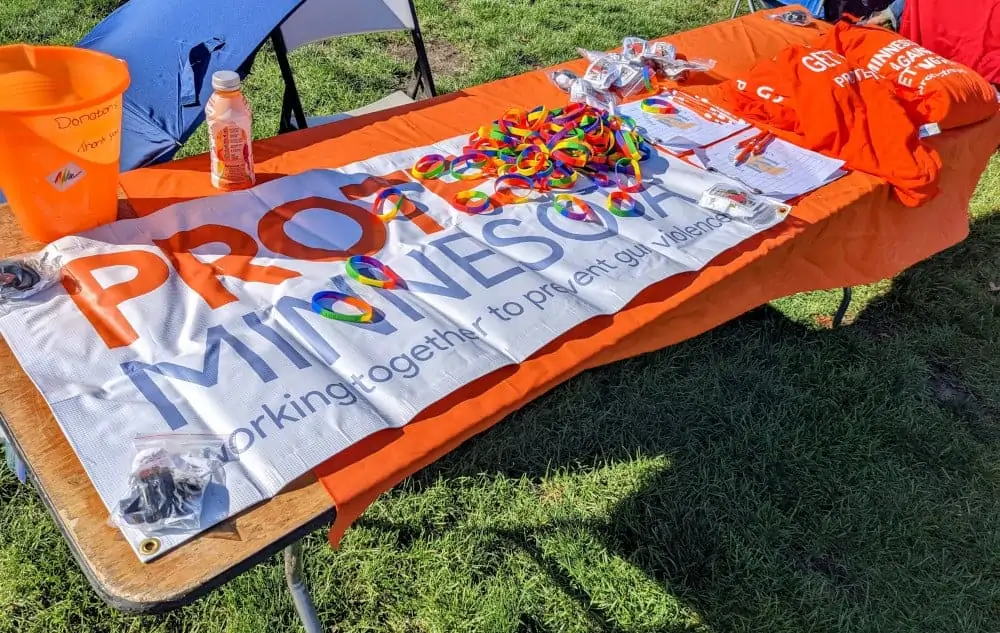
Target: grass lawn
x=770 y=476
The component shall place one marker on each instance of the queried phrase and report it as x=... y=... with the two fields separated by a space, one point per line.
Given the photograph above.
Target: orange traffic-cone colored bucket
x=60 y=137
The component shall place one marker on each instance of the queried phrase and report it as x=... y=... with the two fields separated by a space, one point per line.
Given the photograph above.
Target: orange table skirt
x=847 y=233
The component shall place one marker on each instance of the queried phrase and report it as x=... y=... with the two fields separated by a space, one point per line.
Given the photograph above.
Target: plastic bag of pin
x=25 y=276
x=636 y=50
x=795 y=17
x=679 y=69
x=168 y=481
x=562 y=78
x=744 y=205
x=581 y=91
x=604 y=68
x=661 y=57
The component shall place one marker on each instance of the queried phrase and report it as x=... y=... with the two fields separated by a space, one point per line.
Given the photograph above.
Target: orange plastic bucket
x=60 y=137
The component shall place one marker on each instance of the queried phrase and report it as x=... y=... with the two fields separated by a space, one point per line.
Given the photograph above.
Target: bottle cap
x=226 y=80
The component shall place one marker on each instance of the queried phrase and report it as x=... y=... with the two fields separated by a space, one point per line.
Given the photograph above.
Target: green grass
x=770 y=476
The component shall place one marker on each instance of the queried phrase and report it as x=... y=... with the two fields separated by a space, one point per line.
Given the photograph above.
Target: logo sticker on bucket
x=65 y=177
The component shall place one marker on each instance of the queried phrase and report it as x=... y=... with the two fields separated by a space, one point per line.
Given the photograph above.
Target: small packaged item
x=563 y=79
x=660 y=52
x=629 y=81
x=168 y=481
x=662 y=57
x=604 y=71
x=582 y=91
x=678 y=69
x=634 y=49
x=741 y=204
x=795 y=17
x=25 y=276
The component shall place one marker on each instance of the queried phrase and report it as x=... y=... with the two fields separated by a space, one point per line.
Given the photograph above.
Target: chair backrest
x=172 y=48
x=318 y=20
x=815 y=7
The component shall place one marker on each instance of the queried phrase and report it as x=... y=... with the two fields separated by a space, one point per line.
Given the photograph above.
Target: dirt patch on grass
x=982 y=420
x=445 y=58
x=551 y=492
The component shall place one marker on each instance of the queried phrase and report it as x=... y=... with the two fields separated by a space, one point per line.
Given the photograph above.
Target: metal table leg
x=739 y=4
x=300 y=593
x=845 y=303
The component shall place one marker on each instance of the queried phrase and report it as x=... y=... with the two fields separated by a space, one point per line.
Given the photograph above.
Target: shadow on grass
x=809 y=479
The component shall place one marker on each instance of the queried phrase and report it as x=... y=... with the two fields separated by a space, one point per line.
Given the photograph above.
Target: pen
x=743 y=155
x=753 y=146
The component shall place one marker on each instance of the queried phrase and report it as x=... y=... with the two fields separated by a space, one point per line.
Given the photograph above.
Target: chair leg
x=845 y=303
x=751 y=7
x=423 y=67
x=300 y=593
x=291 y=105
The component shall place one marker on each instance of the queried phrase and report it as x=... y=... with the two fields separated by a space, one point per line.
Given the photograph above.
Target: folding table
x=847 y=233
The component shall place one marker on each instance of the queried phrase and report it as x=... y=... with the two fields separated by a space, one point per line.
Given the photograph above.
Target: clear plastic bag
x=168 y=480
x=28 y=275
x=582 y=92
x=604 y=71
x=660 y=56
x=795 y=17
x=629 y=81
x=742 y=204
x=634 y=49
x=562 y=78
x=660 y=52
x=678 y=69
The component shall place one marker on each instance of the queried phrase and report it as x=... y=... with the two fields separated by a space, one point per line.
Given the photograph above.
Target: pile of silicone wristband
x=526 y=151
x=542 y=150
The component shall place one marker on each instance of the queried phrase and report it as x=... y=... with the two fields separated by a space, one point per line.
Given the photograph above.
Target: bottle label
x=232 y=156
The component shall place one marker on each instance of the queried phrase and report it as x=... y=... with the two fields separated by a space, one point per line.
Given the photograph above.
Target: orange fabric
x=934 y=89
x=813 y=97
x=847 y=233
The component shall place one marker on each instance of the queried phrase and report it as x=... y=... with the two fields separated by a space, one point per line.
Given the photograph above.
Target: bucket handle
x=195 y=67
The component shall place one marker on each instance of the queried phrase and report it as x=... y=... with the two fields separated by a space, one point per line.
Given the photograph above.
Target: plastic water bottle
x=230 y=132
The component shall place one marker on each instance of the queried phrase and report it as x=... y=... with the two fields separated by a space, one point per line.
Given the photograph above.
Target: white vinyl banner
x=197 y=318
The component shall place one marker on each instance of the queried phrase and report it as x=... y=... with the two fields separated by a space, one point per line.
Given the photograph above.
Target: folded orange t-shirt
x=817 y=100
x=934 y=89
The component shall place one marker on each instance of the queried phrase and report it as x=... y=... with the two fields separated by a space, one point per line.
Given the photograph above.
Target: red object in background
x=970 y=36
x=814 y=98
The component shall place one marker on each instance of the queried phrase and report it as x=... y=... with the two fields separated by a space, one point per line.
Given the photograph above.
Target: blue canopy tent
x=172 y=47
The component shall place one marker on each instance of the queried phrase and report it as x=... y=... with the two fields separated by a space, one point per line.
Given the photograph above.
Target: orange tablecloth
x=850 y=232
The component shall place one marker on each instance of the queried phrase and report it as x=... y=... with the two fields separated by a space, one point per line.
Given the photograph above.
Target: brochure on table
x=144 y=336
x=710 y=137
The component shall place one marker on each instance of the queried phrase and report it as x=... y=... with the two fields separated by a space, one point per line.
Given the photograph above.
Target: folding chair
x=318 y=20
x=172 y=48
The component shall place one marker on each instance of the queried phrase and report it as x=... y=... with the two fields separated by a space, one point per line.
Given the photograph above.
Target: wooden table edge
x=121 y=594
x=118 y=599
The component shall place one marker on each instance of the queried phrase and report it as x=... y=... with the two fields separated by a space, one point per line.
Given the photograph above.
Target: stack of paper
x=696 y=123
x=782 y=171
